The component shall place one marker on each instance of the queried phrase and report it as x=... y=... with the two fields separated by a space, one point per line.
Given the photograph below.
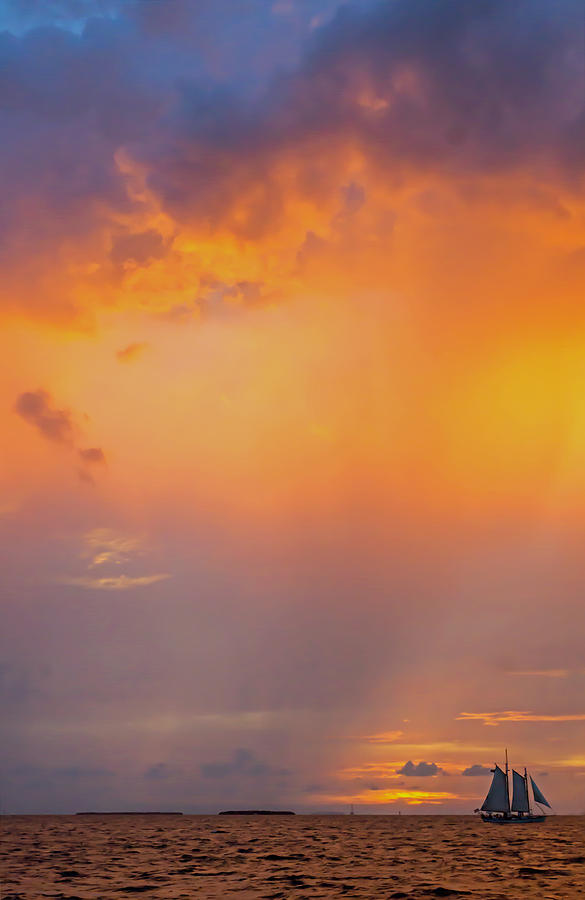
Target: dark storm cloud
x=243 y=762
x=36 y=408
x=454 y=86
x=421 y=769
x=474 y=770
x=482 y=65
x=72 y=96
x=69 y=102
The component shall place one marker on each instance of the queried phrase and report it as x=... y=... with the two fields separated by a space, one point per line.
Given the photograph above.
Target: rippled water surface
x=293 y=856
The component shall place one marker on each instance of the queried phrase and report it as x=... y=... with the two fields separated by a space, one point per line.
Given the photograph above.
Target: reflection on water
x=395 y=857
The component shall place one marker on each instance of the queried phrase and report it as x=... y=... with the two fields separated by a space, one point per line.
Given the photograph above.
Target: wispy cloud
x=107 y=550
x=369 y=770
x=104 y=545
x=131 y=352
x=114 y=583
x=577 y=762
x=512 y=715
x=385 y=737
x=544 y=673
x=446 y=749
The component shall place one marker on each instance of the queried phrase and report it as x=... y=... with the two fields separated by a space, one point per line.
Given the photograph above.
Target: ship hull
x=512 y=820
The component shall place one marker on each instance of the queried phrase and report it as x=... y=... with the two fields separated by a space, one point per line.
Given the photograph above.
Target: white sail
x=520 y=793
x=497 y=799
x=538 y=795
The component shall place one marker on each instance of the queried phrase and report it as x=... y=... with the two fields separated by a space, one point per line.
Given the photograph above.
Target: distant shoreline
x=4 y=814
x=256 y=812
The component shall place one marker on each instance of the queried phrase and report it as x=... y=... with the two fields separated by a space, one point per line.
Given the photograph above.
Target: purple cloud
x=421 y=769
x=92 y=456
x=36 y=408
x=476 y=770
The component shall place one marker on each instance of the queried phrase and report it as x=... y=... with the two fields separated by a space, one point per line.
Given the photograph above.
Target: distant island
x=256 y=812
x=133 y=813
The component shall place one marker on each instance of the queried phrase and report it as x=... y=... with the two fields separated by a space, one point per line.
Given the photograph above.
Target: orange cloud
x=382 y=770
x=385 y=737
x=496 y=718
x=92 y=456
x=114 y=582
x=131 y=352
x=541 y=673
x=364 y=169
x=107 y=546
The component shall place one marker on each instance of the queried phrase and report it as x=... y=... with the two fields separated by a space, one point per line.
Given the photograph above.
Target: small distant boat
x=497 y=809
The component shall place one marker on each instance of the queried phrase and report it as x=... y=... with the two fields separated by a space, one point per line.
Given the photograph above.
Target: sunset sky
x=292 y=470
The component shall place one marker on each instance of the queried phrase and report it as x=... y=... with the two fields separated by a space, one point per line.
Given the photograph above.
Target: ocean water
x=396 y=857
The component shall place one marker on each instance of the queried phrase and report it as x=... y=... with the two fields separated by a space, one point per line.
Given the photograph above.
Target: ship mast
x=507 y=785
x=527 y=794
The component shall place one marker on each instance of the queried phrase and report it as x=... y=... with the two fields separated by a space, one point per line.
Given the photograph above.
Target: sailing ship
x=498 y=810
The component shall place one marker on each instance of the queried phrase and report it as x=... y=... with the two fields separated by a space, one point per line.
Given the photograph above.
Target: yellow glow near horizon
x=391 y=795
